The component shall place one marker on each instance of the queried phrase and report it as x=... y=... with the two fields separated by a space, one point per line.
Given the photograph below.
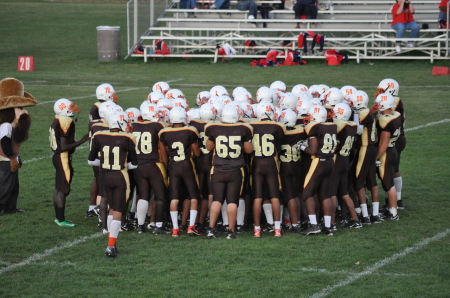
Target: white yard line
x=370 y=270
x=428 y=124
x=49 y=252
x=324 y=271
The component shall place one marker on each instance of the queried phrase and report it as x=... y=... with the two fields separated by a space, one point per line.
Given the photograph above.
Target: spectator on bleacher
x=220 y=4
x=442 y=19
x=188 y=4
x=251 y=7
x=305 y=9
x=402 y=20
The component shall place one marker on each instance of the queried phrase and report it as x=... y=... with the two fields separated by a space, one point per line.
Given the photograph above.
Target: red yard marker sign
x=25 y=63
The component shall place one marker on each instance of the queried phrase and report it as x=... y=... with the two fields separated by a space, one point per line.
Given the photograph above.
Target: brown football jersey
x=346 y=132
x=288 y=151
x=399 y=108
x=391 y=123
x=93 y=113
x=116 y=149
x=62 y=126
x=326 y=134
x=200 y=126
x=179 y=141
x=229 y=142
x=369 y=135
x=146 y=134
x=266 y=136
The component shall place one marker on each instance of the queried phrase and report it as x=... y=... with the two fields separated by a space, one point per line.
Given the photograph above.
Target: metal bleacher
x=361 y=28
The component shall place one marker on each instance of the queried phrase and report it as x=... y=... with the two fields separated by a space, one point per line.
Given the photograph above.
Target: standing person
x=442 y=18
x=228 y=139
x=389 y=129
x=117 y=149
x=178 y=143
x=63 y=144
x=402 y=20
x=14 y=127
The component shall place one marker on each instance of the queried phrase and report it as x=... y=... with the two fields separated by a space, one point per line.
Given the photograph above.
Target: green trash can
x=108 y=43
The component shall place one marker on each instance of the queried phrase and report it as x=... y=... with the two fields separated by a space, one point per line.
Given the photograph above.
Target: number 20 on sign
x=25 y=63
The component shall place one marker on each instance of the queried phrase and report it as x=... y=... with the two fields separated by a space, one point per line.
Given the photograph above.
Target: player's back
x=146 y=134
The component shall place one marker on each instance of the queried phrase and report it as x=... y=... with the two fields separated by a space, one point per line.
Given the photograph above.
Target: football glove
x=302 y=145
x=378 y=163
x=360 y=129
x=131 y=166
x=95 y=163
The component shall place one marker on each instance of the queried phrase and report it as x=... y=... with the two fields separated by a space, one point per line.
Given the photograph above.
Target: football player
x=229 y=139
x=178 y=143
x=117 y=149
x=389 y=125
x=321 y=146
x=162 y=87
x=266 y=133
x=63 y=144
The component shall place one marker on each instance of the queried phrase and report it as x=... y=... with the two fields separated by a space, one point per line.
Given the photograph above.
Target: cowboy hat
x=12 y=95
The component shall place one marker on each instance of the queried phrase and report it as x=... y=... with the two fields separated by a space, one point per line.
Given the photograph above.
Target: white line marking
x=49 y=252
x=324 y=271
x=3 y=263
x=428 y=124
x=58 y=264
x=328 y=290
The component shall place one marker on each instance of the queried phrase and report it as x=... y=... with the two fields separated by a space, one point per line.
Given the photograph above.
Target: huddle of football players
x=304 y=159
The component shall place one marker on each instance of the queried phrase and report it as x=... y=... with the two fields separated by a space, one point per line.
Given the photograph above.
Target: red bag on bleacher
x=161 y=47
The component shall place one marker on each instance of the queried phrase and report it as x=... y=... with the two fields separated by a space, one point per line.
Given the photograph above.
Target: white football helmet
x=238 y=108
x=359 y=100
x=155 y=96
x=180 y=102
x=64 y=107
x=288 y=118
x=104 y=107
x=106 y=92
x=225 y=99
x=303 y=95
x=218 y=91
x=237 y=90
x=318 y=114
x=384 y=102
x=316 y=101
x=193 y=114
x=150 y=112
x=165 y=103
x=162 y=87
x=218 y=105
x=341 y=111
x=247 y=109
x=388 y=86
x=178 y=115
x=315 y=91
x=278 y=85
x=347 y=91
x=230 y=114
x=332 y=97
x=276 y=96
x=265 y=110
x=324 y=88
x=244 y=96
x=208 y=112
x=298 y=88
x=133 y=114
x=303 y=107
x=276 y=116
x=288 y=101
x=174 y=93
x=264 y=94
x=202 y=97
x=164 y=115
x=118 y=119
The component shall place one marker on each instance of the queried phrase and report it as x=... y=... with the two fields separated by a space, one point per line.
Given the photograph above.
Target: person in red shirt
x=402 y=20
x=442 y=19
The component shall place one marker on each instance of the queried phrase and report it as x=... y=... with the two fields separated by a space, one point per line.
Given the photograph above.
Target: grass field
x=408 y=258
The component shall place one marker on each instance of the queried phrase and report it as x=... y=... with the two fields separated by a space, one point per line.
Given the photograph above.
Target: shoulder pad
x=64 y=123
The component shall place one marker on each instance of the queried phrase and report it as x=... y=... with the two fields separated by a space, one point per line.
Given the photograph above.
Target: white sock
x=327 y=221
x=159 y=224
x=281 y=212
x=133 y=203
x=277 y=224
x=114 y=229
x=141 y=211
x=241 y=212
x=393 y=210
x=365 y=213
x=398 y=183
x=224 y=213
x=312 y=219
x=91 y=207
x=375 y=208
x=286 y=214
x=257 y=228
x=192 y=217
x=108 y=222
x=174 y=216
x=358 y=210
x=268 y=212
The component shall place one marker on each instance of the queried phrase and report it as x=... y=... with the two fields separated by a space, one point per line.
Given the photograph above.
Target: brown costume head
x=13 y=99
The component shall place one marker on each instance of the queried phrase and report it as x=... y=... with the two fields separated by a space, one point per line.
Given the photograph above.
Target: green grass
x=62 y=38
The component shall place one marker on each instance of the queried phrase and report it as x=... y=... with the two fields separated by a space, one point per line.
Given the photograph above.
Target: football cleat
x=151 y=225
x=327 y=231
x=162 y=231
x=333 y=227
x=199 y=230
x=65 y=223
x=376 y=219
x=354 y=224
x=97 y=210
x=304 y=225
x=269 y=228
x=190 y=230
x=147 y=218
x=141 y=229
x=90 y=213
x=278 y=232
x=126 y=227
x=183 y=227
x=390 y=216
x=257 y=233
x=176 y=232
x=111 y=252
x=400 y=205
x=104 y=231
x=211 y=233
x=311 y=230
x=365 y=220
x=232 y=235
